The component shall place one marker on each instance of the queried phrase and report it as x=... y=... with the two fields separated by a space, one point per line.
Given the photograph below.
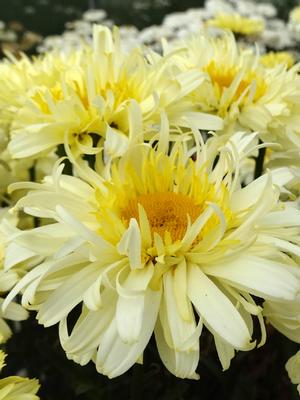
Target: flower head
x=19 y=78
x=166 y=243
x=272 y=59
x=238 y=24
x=108 y=98
x=240 y=89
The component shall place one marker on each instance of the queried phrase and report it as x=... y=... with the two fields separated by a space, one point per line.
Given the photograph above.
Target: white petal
x=7 y=280
x=201 y=121
x=180 y=330
x=129 y=317
x=194 y=230
x=249 y=195
x=81 y=229
x=216 y=309
x=225 y=352
x=282 y=176
x=130 y=305
x=259 y=276
x=68 y=295
x=24 y=144
x=280 y=244
x=180 y=290
x=28 y=278
x=114 y=357
x=135 y=120
x=14 y=312
x=288 y=217
x=136 y=281
x=15 y=254
x=130 y=244
x=92 y=297
x=264 y=204
x=87 y=331
x=182 y=364
x=116 y=143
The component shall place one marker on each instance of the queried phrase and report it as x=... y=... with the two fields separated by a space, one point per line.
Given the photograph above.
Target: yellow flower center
x=223 y=78
x=40 y=100
x=166 y=212
x=122 y=90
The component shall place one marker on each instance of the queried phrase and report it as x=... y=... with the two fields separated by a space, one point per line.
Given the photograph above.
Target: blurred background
x=24 y=23
x=48 y=17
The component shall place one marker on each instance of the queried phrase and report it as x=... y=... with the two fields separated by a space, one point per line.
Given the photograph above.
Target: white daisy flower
x=164 y=244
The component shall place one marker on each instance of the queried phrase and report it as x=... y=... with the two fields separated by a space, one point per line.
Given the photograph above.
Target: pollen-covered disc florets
x=166 y=212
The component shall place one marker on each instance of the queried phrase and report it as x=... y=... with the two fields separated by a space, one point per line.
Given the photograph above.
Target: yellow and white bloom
x=273 y=58
x=164 y=244
x=15 y=387
x=238 y=24
x=108 y=94
x=240 y=89
x=293 y=369
x=19 y=78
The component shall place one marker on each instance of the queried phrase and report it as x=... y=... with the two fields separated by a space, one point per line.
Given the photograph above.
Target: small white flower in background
x=294 y=23
x=94 y=16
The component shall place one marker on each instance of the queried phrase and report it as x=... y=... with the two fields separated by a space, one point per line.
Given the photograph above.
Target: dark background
x=48 y=17
x=256 y=375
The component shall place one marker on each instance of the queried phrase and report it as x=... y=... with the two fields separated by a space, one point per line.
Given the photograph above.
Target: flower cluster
x=171 y=202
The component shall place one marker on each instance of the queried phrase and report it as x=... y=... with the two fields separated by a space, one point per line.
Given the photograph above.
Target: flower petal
x=259 y=276
x=216 y=309
x=180 y=330
x=225 y=352
x=130 y=244
x=182 y=364
x=68 y=295
x=114 y=357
